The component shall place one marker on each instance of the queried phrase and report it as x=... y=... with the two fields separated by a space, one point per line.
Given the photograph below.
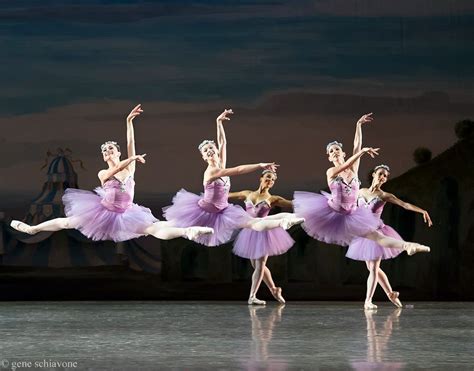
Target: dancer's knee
x=372 y=267
x=374 y=236
x=257 y=224
x=66 y=223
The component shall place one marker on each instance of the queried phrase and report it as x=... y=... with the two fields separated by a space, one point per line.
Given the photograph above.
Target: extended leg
x=392 y=243
x=165 y=231
x=47 y=226
x=270 y=222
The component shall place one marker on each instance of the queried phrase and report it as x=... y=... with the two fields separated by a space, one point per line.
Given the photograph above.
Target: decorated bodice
x=375 y=204
x=215 y=195
x=344 y=195
x=258 y=210
x=117 y=195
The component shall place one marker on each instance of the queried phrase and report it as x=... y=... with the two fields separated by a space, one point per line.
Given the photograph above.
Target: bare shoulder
x=210 y=174
x=386 y=195
x=243 y=194
x=212 y=171
x=102 y=175
x=276 y=198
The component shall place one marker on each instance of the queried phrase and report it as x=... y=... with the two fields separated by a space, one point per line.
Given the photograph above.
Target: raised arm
x=106 y=174
x=242 y=195
x=131 y=136
x=332 y=172
x=358 y=136
x=215 y=173
x=281 y=202
x=221 y=139
x=388 y=197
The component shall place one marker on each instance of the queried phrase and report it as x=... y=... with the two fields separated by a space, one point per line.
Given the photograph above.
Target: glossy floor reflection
x=231 y=335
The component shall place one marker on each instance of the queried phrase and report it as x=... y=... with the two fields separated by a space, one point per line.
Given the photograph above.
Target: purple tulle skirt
x=98 y=223
x=186 y=212
x=365 y=249
x=325 y=224
x=252 y=244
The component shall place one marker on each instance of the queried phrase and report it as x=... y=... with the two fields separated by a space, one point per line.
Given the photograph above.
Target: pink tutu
x=186 y=212
x=325 y=224
x=364 y=249
x=252 y=244
x=89 y=215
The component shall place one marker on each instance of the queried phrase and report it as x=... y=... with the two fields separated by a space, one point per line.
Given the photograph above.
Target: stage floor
x=232 y=335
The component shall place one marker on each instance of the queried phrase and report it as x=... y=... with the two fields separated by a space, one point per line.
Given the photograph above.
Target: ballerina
x=374 y=198
x=109 y=213
x=212 y=209
x=258 y=246
x=335 y=217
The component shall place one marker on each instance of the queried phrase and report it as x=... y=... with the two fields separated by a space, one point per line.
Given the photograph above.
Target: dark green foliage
x=422 y=155
x=464 y=129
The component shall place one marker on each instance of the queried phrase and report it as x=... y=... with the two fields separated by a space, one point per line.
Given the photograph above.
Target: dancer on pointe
x=258 y=246
x=212 y=209
x=109 y=213
x=374 y=198
x=335 y=217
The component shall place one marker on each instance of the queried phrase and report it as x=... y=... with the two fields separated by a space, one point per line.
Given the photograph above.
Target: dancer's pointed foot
x=276 y=292
x=412 y=248
x=192 y=233
x=368 y=305
x=393 y=297
x=254 y=301
x=287 y=223
x=21 y=227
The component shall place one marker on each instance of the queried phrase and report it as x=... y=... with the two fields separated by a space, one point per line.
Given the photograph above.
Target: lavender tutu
x=334 y=218
x=108 y=214
x=365 y=249
x=252 y=244
x=208 y=210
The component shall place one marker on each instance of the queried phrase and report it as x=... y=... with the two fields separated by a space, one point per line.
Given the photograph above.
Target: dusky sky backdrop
x=298 y=74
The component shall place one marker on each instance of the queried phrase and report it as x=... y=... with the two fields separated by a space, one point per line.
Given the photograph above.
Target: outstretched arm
x=242 y=195
x=281 y=202
x=106 y=174
x=215 y=173
x=131 y=136
x=221 y=139
x=358 y=137
x=334 y=171
x=388 y=197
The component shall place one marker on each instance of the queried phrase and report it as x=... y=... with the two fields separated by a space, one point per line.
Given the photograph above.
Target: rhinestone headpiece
x=332 y=143
x=266 y=171
x=382 y=166
x=103 y=146
x=204 y=142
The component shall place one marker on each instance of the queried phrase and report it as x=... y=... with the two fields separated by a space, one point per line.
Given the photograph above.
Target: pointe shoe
x=412 y=248
x=192 y=233
x=276 y=292
x=393 y=297
x=368 y=305
x=254 y=301
x=21 y=227
x=287 y=223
